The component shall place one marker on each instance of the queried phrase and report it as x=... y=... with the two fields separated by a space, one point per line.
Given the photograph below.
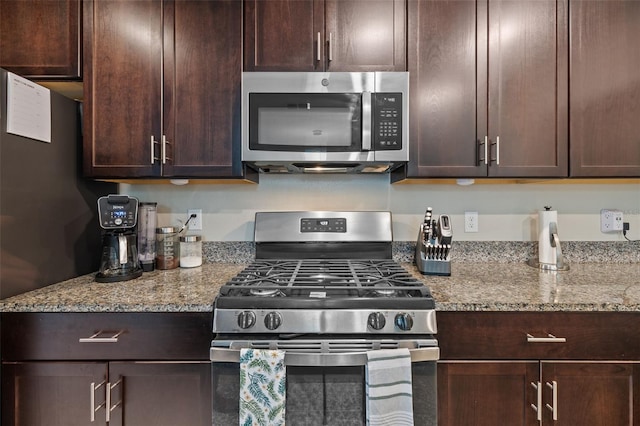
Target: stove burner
x=324 y=278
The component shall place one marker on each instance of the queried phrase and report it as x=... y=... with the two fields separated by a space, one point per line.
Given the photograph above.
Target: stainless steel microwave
x=325 y=122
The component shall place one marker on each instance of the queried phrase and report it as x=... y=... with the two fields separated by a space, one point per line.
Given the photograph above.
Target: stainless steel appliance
x=325 y=122
x=324 y=289
x=48 y=220
x=118 y=215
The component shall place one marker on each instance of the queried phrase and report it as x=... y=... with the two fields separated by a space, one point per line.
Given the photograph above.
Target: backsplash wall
x=507 y=212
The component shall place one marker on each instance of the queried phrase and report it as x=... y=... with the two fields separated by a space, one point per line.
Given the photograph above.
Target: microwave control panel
x=387 y=121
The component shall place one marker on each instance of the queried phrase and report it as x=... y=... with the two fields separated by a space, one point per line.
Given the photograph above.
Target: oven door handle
x=307 y=359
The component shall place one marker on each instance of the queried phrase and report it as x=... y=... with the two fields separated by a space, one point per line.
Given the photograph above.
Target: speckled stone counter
x=176 y=290
x=520 y=287
x=489 y=286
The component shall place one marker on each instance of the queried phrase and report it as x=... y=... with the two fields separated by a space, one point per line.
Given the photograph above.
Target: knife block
x=427 y=265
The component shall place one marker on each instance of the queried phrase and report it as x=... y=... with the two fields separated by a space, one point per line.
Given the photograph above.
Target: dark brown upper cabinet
x=41 y=38
x=325 y=35
x=605 y=88
x=489 y=88
x=162 y=89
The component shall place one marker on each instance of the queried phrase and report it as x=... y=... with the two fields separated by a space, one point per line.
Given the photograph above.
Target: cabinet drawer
x=530 y=335
x=116 y=336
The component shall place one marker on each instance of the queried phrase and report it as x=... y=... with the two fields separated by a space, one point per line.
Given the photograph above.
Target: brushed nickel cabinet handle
x=536 y=407
x=498 y=150
x=95 y=339
x=153 y=150
x=92 y=395
x=554 y=397
x=549 y=339
x=330 y=46
x=165 y=142
x=110 y=407
x=318 y=48
x=486 y=150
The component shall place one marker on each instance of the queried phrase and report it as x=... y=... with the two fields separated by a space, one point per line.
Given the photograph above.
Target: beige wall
x=507 y=212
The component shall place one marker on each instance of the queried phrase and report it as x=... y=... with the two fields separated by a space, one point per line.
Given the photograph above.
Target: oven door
x=323 y=388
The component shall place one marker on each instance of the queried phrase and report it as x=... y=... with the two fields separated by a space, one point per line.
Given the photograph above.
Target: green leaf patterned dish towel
x=263 y=382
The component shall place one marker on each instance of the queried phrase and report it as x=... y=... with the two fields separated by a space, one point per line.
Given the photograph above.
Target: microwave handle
x=366 y=121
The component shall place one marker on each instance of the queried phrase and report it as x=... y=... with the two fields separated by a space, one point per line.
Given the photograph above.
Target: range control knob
x=404 y=321
x=272 y=320
x=376 y=320
x=246 y=319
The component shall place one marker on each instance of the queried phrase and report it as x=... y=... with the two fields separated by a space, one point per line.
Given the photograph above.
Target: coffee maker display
x=118 y=216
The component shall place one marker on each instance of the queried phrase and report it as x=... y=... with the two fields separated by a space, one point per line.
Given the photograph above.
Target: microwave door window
x=295 y=122
x=312 y=128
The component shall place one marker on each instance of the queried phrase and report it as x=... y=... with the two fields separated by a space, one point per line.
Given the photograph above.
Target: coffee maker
x=118 y=216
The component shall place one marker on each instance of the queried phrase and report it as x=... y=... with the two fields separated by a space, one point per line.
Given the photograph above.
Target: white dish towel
x=263 y=383
x=389 y=390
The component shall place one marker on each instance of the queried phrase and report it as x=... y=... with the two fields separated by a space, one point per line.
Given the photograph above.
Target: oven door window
x=309 y=122
x=323 y=396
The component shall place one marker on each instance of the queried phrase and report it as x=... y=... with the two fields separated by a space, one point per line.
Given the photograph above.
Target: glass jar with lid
x=167 y=248
x=190 y=251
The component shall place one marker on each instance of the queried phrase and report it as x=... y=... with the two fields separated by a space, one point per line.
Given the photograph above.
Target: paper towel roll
x=546 y=253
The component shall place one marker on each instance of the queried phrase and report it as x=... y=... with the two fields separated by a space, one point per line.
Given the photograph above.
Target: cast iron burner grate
x=325 y=278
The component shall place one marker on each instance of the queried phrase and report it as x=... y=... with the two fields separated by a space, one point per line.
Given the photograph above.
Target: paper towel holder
x=549 y=240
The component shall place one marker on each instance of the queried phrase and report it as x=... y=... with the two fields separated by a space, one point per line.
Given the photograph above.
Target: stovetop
x=324 y=272
x=325 y=278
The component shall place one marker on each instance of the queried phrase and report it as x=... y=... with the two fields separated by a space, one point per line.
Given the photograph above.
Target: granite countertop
x=489 y=286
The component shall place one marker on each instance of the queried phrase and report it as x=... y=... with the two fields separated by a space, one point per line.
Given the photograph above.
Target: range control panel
x=323 y=225
x=118 y=212
x=387 y=121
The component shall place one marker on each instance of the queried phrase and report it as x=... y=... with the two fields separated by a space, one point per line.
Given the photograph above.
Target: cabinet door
x=160 y=394
x=53 y=394
x=123 y=87
x=41 y=38
x=489 y=88
x=365 y=35
x=605 y=88
x=202 y=72
x=487 y=393
x=448 y=112
x=591 y=394
x=528 y=80
x=284 y=35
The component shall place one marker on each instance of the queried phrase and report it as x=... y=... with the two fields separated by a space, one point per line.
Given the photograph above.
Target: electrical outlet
x=470 y=221
x=195 y=224
x=611 y=220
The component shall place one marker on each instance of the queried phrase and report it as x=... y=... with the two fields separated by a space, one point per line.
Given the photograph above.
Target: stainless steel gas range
x=325 y=290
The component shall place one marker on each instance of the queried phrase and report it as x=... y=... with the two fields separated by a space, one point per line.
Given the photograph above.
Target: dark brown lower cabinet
x=539 y=368
x=75 y=393
x=571 y=393
x=485 y=393
x=125 y=368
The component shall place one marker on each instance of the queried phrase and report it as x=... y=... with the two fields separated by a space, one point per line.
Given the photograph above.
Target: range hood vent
x=323 y=168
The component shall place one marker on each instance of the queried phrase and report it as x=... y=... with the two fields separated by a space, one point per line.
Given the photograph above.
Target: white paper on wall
x=28 y=109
